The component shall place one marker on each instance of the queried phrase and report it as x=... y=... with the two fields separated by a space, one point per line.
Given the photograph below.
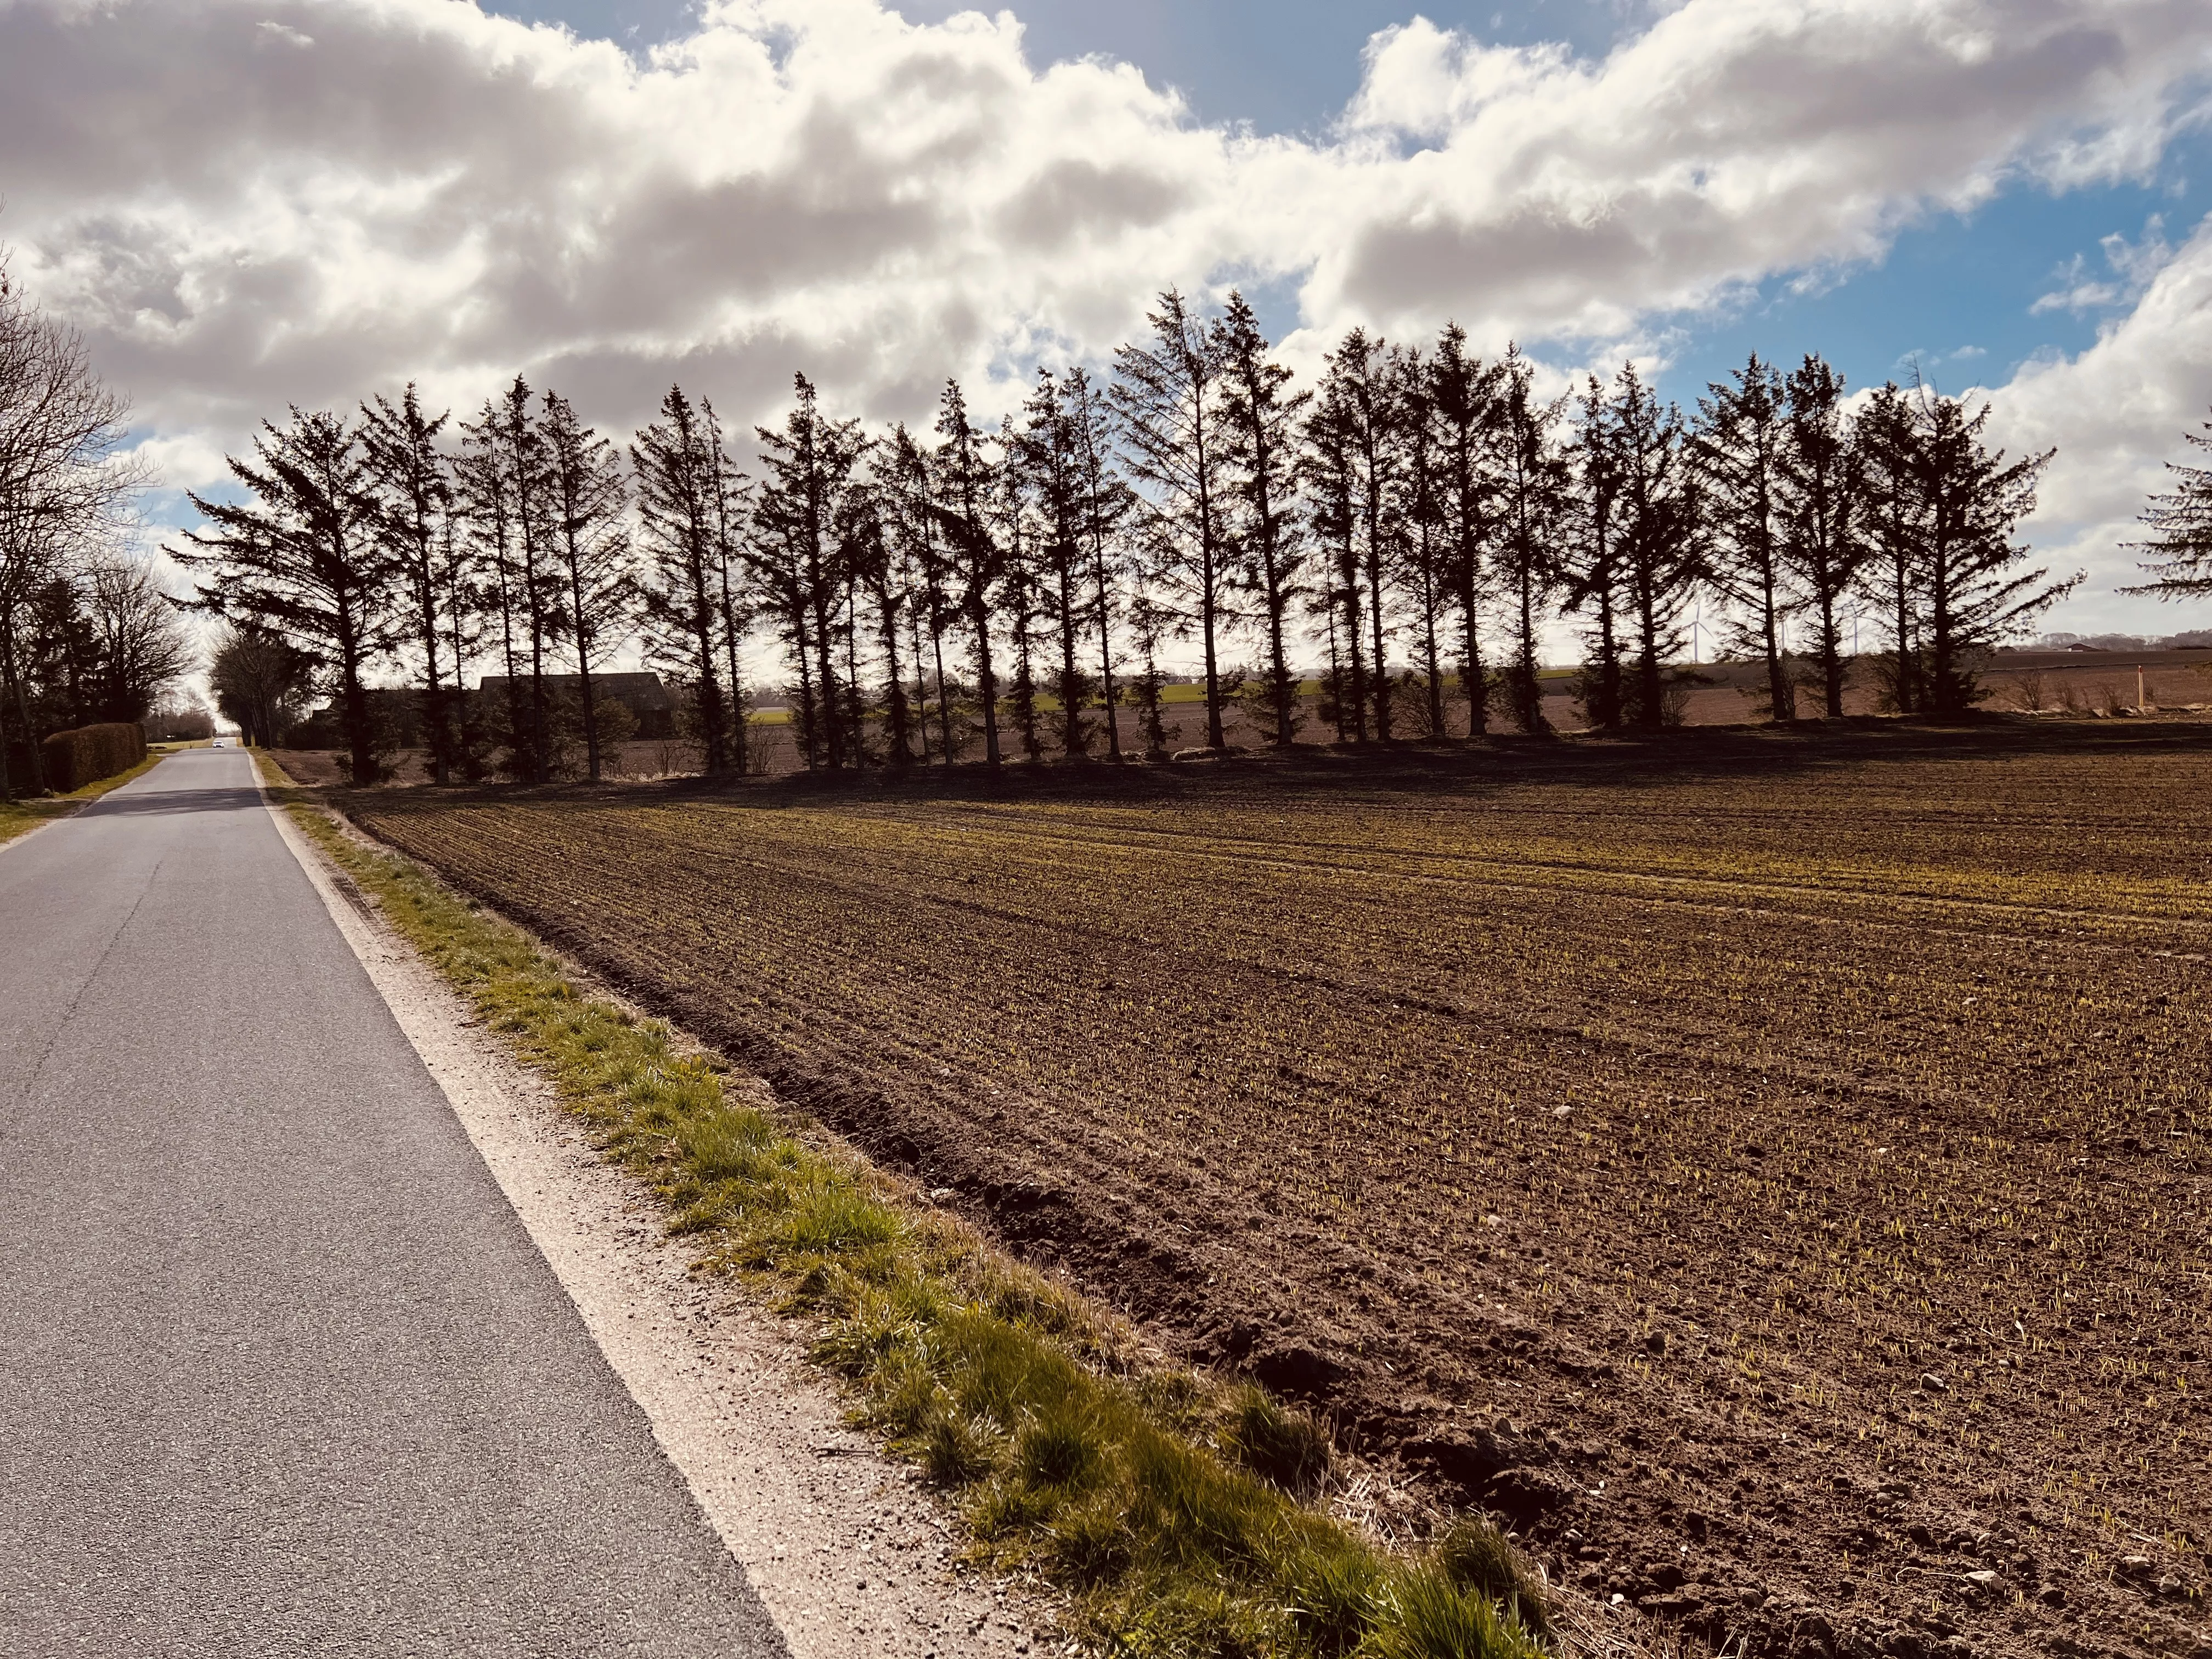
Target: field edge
x=1138 y=1489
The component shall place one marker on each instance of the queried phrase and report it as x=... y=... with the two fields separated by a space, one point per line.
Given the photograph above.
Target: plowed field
x=1772 y=1171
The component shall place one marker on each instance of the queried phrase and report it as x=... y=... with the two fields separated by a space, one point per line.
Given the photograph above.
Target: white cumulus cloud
x=2115 y=414
x=247 y=204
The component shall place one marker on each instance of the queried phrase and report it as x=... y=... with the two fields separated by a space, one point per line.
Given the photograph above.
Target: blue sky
x=1958 y=292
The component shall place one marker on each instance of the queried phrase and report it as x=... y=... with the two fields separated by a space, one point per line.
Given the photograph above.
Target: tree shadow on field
x=1441 y=772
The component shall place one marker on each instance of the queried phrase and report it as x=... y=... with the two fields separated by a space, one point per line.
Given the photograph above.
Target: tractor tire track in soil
x=1778 y=1187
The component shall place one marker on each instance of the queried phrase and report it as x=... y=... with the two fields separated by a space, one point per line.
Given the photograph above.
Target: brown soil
x=1770 y=1169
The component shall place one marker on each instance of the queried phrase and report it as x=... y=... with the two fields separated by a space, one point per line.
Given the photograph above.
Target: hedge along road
x=280 y=1371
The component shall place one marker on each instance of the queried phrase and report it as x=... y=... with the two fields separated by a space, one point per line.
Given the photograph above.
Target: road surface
x=280 y=1371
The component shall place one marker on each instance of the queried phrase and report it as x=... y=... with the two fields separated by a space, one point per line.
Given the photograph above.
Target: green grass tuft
x=1009 y=1391
x=1432 y=1617
x=1282 y=1446
x=1473 y=1557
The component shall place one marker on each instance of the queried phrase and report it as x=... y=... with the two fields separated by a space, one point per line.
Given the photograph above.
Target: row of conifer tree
x=1419 y=507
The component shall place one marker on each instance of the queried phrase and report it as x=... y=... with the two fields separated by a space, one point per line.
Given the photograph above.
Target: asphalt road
x=280 y=1371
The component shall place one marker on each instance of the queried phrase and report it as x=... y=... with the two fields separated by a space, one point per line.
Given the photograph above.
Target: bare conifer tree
x=1106 y=503
x=1661 y=542
x=1020 y=598
x=486 y=504
x=1261 y=416
x=1886 y=443
x=808 y=472
x=913 y=550
x=1051 y=476
x=891 y=591
x=1738 y=449
x=2180 y=519
x=673 y=462
x=1332 y=487
x=1822 y=504
x=412 y=492
x=731 y=490
x=1592 y=561
x=1533 y=498
x=966 y=483
x=522 y=448
x=1167 y=395
x=587 y=500
x=1358 y=415
x=1421 y=536
x=502 y=474
x=1977 y=593
x=300 y=559
x=1462 y=404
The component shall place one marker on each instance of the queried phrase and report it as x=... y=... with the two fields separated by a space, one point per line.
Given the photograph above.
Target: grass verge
x=1166 y=1505
x=20 y=816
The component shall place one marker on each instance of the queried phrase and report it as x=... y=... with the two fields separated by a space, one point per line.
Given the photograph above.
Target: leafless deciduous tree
x=65 y=485
x=259 y=681
x=140 y=640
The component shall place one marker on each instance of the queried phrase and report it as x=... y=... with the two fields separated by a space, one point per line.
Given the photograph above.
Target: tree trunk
x=988 y=677
x=1831 y=658
x=1106 y=651
x=944 y=702
x=1781 y=696
x=38 y=778
x=1073 y=739
x=833 y=748
x=1382 y=680
x=1474 y=677
x=1215 y=737
x=1432 y=663
x=1650 y=681
x=1278 y=660
x=1529 y=690
x=712 y=719
x=360 y=751
x=740 y=761
x=1357 y=651
x=439 y=728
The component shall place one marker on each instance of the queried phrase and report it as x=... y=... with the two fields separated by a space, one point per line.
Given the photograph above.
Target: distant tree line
x=1419 y=519
x=86 y=634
